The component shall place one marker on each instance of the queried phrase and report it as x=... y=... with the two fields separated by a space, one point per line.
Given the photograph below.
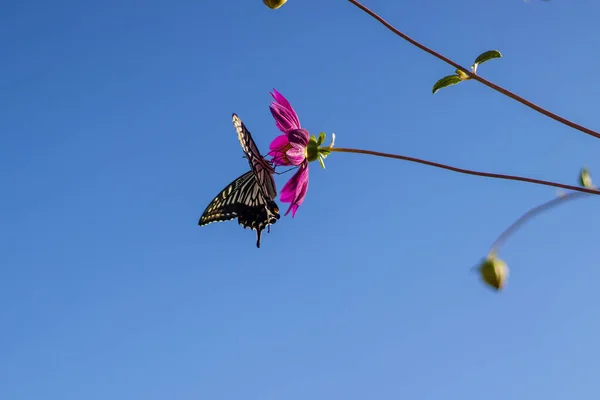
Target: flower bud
x=585 y=179
x=274 y=4
x=462 y=75
x=493 y=271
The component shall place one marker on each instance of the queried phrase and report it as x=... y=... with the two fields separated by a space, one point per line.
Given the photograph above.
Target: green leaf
x=445 y=82
x=585 y=179
x=321 y=138
x=487 y=56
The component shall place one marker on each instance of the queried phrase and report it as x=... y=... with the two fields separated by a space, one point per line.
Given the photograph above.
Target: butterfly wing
x=225 y=206
x=261 y=167
x=242 y=199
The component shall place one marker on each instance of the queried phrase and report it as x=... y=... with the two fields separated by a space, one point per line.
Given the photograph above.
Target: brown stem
x=529 y=215
x=464 y=171
x=475 y=76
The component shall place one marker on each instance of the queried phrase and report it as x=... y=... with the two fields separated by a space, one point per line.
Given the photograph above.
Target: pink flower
x=290 y=149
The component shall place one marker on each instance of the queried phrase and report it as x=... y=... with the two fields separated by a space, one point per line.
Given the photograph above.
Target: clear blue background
x=115 y=121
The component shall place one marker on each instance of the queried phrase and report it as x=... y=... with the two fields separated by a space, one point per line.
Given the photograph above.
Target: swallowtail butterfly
x=251 y=197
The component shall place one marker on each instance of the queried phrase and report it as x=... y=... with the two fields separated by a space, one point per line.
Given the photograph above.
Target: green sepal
x=321 y=138
x=324 y=152
x=322 y=162
x=312 y=149
x=445 y=82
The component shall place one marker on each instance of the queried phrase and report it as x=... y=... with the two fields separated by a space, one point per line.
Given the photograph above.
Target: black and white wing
x=242 y=199
x=261 y=167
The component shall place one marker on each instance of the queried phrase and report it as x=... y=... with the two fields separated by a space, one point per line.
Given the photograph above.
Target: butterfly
x=251 y=197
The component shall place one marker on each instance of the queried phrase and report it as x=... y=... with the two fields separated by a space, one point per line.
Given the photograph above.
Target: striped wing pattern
x=242 y=199
x=261 y=167
x=251 y=197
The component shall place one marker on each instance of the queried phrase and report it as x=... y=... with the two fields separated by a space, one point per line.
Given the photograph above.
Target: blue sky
x=116 y=134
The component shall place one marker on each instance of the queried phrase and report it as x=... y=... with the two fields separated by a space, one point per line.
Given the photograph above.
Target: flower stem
x=475 y=76
x=529 y=215
x=465 y=171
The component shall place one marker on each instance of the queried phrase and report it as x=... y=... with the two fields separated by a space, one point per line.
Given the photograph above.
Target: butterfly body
x=251 y=197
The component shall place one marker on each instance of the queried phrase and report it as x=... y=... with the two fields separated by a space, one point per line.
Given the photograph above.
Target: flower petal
x=293 y=208
x=278 y=158
x=295 y=189
x=278 y=147
x=301 y=190
x=296 y=156
x=298 y=137
x=279 y=143
x=289 y=189
x=284 y=121
x=286 y=118
x=279 y=98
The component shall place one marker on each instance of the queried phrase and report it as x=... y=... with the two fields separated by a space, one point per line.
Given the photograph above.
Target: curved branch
x=529 y=215
x=475 y=76
x=463 y=170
